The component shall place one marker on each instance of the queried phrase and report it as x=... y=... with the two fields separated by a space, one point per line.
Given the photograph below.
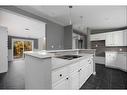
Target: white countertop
x=50 y=53
x=63 y=62
x=58 y=62
x=117 y=51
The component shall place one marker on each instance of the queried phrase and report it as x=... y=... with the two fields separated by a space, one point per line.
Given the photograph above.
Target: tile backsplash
x=101 y=48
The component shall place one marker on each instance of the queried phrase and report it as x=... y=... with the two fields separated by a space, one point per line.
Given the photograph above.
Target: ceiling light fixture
x=70 y=22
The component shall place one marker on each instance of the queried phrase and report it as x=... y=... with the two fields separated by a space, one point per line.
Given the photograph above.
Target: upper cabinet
x=125 y=37
x=117 y=38
x=96 y=37
x=22 y=26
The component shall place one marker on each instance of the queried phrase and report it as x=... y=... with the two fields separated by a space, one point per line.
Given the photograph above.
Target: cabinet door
x=125 y=38
x=111 y=59
x=83 y=75
x=90 y=68
x=74 y=80
x=109 y=39
x=95 y=37
x=121 y=61
x=63 y=84
x=118 y=38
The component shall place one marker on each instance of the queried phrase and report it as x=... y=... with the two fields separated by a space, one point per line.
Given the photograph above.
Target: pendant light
x=70 y=7
x=82 y=25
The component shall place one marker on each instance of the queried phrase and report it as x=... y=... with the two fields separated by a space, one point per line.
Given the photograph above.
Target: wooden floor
x=105 y=78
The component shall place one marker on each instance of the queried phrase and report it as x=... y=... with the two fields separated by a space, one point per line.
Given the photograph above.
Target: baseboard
x=112 y=67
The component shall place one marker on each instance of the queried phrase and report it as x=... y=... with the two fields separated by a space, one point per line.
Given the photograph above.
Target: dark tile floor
x=105 y=78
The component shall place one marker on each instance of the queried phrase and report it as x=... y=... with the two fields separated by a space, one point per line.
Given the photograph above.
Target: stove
x=69 y=57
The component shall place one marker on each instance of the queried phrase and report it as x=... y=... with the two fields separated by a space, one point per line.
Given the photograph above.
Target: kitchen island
x=58 y=69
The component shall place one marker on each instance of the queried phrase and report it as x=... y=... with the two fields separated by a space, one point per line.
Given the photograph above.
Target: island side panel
x=37 y=73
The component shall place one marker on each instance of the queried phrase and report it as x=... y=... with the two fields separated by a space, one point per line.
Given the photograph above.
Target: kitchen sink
x=69 y=57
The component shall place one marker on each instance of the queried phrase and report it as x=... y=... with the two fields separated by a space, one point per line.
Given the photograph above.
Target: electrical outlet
x=121 y=49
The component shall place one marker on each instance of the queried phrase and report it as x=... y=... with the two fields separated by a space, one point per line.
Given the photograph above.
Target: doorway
x=19 y=46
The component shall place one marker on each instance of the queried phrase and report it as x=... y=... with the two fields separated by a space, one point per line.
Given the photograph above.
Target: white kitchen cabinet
x=109 y=39
x=121 y=61
x=90 y=66
x=111 y=59
x=61 y=84
x=116 y=38
x=125 y=37
x=117 y=60
x=83 y=75
x=74 y=80
x=59 y=74
x=72 y=76
x=3 y=49
x=97 y=37
x=86 y=70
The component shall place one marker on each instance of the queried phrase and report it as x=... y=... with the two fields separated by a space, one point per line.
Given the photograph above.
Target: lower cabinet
x=62 y=84
x=83 y=75
x=121 y=61
x=73 y=80
x=117 y=60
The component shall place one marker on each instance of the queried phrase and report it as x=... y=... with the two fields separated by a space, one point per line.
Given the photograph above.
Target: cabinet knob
x=60 y=75
x=67 y=78
x=79 y=70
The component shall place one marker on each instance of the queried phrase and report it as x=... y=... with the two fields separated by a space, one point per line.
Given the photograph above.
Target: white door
x=3 y=50
x=121 y=61
x=74 y=80
x=63 y=84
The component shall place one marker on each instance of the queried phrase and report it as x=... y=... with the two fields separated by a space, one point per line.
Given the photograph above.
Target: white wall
x=3 y=50
x=17 y=25
x=22 y=26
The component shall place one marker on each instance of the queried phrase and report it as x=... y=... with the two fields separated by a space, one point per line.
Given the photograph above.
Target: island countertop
x=52 y=53
x=58 y=62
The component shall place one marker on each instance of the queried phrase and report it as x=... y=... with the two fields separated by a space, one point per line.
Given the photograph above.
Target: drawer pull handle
x=60 y=75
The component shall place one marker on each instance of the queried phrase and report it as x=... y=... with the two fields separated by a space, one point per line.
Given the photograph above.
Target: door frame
x=17 y=39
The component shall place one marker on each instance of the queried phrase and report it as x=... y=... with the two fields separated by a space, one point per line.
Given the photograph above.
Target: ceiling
x=95 y=17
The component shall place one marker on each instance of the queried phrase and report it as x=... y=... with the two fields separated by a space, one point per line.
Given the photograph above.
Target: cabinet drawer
x=74 y=67
x=59 y=74
x=84 y=62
